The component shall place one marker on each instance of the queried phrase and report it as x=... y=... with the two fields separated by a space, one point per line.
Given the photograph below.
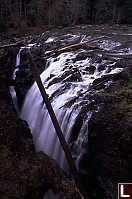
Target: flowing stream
x=59 y=91
x=66 y=77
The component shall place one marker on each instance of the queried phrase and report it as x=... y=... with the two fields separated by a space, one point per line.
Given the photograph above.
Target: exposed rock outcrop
x=107 y=155
x=110 y=137
x=23 y=172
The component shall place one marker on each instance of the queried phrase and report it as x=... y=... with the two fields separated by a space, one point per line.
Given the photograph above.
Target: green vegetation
x=19 y=194
x=106 y=94
x=125 y=92
x=130 y=85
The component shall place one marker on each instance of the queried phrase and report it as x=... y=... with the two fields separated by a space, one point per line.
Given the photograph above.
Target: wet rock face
x=123 y=63
x=106 y=154
x=24 y=78
x=110 y=137
x=23 y=172
x=101 y=67
x=91 y=69
x=100 y=51
x=7 y=59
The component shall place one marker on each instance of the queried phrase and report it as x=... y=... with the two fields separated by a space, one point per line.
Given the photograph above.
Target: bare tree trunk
x=56 y=124
x=75 y=11
x=118 y=16
x=25 y=11
x=13 y=14
x=114 y=14
x=1 y=12
x=19 y=43
x=52 y=115
x=20 y=8
x=49 y=13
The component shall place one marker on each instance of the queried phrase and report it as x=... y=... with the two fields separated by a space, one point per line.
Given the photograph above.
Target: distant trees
x=21 y=13
x=112 y=11
x=127 y=8
x=13 y=13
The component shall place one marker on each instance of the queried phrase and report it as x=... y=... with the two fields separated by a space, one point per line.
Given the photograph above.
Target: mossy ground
x=110 y=135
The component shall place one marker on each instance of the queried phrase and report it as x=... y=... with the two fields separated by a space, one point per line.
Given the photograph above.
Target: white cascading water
x=12 y=90
x=44 y=134
x=35 y=113
x=17 y=60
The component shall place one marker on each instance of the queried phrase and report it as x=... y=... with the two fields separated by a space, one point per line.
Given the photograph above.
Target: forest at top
x=19 y=14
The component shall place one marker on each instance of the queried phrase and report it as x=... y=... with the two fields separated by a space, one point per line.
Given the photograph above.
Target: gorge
x=90 y=90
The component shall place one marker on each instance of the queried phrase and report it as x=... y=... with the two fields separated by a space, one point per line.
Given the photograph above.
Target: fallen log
x=56 y=124
x=25 y=173
x=17 y=44
x=70 y=47
x=80 y=43
x=57 y=51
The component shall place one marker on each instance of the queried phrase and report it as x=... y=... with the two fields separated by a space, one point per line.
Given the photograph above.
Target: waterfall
x=60 y=86
x=18 y=57
x=37 y=116
x=64 y=78
x=12 y=90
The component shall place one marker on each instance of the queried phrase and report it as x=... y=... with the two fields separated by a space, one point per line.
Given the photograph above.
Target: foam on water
x=35 y=113
x=37 y=116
